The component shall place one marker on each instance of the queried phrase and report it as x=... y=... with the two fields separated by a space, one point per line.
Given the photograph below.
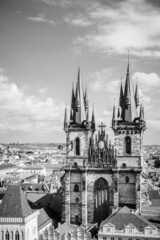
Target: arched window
x=17 y=235
x=101 y=199
x=128 y=145
x=77 y=146
x=76 y=188
x=127 y=179
x=7 y=236
x=22 y=235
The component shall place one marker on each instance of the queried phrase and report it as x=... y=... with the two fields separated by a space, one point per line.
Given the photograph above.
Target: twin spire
x=79 y=110
x=128 y=100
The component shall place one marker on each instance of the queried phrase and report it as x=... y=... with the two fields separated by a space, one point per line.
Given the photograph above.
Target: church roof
x=14 y=203
x=124 y=216
x=43 y=218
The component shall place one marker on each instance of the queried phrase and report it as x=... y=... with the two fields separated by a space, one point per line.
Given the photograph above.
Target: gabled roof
x=43 y=218
x=14 y=203
x=124 y=216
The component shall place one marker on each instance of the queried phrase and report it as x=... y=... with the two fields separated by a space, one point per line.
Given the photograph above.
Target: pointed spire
x=72 y=98
x=87 y=120
x=80 y=114
x=86 y=99
x=141 y=114
x=121 y=95
x=93 y=125
x=114 y=113
x=119 y=112
x=65 y=120
x=129 y=111
x=136 y=96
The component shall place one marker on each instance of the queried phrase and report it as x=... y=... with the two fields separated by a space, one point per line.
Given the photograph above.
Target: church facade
x=99 y=177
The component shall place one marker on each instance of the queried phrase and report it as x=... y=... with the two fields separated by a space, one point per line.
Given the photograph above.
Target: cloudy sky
x=39 y=41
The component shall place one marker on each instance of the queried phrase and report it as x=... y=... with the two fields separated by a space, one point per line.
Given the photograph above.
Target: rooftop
x=14 y=203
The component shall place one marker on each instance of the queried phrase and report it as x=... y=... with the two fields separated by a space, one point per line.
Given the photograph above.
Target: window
x=7 y=235
x=112 y=238
x=22 y=235
x=124 y=165
x=77 y=200
x=128 y=145
x=84 y=185
x=129 y=238
x=17 y=235
x=119 y=238
x=77 y=146
x=150 y=231
x=101 y=154
x=76 y=218
x=104 y=238
x=76 y=188
x=108 y=229
x=127 y=181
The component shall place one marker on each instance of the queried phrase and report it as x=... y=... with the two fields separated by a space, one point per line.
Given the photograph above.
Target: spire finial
x=128 y=55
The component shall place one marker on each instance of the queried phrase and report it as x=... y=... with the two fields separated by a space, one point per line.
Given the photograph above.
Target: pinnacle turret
x=136 y=96
x=65 y=120
x=93 y=124
x=121 y=96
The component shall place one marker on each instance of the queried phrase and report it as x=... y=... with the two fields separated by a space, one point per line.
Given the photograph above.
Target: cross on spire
x=102 y=126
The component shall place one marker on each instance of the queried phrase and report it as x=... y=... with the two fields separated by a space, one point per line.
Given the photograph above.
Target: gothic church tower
x=88 y=191
x=128 y=127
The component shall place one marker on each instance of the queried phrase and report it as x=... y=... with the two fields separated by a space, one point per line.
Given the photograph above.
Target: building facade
x=125 y=224
x=98 y=177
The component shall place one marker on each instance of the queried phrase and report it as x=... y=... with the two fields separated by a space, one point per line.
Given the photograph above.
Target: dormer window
x=77 y=146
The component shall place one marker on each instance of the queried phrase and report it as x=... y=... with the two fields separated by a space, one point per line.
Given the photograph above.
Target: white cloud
x=147 y=81
x=117 y=27
x=78 y=21
x=40 y=18
x=20 y=112
x=103 y=80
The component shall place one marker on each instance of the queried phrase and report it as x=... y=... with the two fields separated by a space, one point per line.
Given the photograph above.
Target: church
x=99 y=178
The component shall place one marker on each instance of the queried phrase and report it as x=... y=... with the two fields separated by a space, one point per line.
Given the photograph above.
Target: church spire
x=121 y=95
x=136 y=96
x=93 y=124
x=80 y=114
x=86 y=99
x=129 y=111
x=65 y=120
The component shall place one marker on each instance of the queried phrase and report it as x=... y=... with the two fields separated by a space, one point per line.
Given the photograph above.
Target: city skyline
x=39 y=44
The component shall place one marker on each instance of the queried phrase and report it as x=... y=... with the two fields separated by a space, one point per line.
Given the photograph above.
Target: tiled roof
x=14 y=203
x=43 y=218
x=153 y=194
x=6 y=166
x=123 y=218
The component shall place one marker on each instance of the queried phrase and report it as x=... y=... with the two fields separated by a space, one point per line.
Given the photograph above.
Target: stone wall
x=71 y=137
x=84 y=208
x=127 y=188
x=136 y=144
